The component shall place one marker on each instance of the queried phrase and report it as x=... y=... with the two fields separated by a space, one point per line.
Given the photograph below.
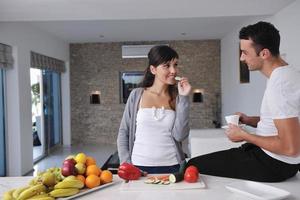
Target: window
x=129 y=81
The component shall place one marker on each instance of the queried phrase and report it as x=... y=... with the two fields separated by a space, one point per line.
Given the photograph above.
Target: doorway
x=46 y=111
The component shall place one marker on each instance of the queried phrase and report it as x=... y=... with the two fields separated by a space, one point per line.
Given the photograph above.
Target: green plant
x=35 y=94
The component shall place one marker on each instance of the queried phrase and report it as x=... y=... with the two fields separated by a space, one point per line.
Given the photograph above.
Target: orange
x=90 y=161
x=92 y=181
x=81 y=178
x=92 y=169
x=106 y=176
x=100 y=171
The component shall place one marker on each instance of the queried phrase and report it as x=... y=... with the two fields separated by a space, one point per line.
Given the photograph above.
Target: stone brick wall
x=96 y=66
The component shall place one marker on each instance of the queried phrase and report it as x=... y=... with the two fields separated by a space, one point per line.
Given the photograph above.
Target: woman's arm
x=181 y=127
x=123 y=135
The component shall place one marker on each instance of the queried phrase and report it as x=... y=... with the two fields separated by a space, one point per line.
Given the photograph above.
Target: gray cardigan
x=127 y=129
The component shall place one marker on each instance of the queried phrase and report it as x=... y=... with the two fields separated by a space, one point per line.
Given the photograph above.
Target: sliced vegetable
x=157 y=181
x=165 y=182
x=176 y=177
x=177 y=78
x=160 y=180
x=149 y=181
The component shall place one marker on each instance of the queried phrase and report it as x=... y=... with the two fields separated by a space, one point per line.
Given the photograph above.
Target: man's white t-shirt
x=281 y=100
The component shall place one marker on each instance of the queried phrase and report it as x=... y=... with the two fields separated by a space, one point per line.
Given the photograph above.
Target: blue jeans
x=160 y=169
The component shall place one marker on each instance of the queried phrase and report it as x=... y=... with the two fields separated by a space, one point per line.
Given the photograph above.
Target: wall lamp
x=198 y=95
x=95 y=97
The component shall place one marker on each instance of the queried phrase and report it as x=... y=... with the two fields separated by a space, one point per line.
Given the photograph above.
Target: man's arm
x=287 y=142
x=250 y=121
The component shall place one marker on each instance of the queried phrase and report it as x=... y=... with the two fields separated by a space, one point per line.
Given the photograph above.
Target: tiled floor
x=100 y=152
x=37 y=151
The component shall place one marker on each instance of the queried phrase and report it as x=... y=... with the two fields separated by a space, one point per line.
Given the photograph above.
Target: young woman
x=156 y=116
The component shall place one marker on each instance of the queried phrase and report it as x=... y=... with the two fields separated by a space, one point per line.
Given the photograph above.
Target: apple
x=70 y=157
x=68 y=170
x=69 y=162
x=80 y=168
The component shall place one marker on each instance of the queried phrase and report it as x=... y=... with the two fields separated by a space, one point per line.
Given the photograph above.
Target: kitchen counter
x=215 y=189
x=204 y=141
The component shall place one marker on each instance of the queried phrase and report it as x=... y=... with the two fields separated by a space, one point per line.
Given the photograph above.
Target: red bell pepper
x=129 y=172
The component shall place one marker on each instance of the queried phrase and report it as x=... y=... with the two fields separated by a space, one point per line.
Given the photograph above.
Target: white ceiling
x=137 y=20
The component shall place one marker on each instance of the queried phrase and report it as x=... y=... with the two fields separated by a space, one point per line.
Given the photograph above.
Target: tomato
x=192 y=168
x=191 y=177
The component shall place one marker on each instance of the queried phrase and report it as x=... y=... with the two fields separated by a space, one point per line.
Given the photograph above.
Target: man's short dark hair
x=264 y=36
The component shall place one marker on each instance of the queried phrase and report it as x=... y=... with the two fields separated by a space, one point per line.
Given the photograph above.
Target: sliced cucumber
x=156 y=181
x=176 y=177
x=166 y=182
x=149 y=181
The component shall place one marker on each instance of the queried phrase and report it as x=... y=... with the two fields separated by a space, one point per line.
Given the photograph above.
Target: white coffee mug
x=232 y=119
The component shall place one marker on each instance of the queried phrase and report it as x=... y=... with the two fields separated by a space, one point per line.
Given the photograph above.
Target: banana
x=32 y=191
x=8 y=195
x=18 y=191
x=39 y=196
x=64 y=192
x=42 y=198
x=70 y=178
x=69 y=184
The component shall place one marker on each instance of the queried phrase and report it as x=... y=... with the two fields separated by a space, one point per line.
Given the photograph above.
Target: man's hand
x=285 y=142
x=243 y=117
x=235 y=133
x=250 y=121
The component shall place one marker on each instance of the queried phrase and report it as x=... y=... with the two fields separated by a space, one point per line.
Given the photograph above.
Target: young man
x=273 y=153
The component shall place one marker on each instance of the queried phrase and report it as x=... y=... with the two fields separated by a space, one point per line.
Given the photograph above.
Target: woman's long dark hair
x=159 y=55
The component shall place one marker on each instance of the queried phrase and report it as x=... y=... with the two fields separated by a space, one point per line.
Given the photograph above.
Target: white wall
x=66 y=105
x=288 y=23
x=24 y=39
x=247 y=97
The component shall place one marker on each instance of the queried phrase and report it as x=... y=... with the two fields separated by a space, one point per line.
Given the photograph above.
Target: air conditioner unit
x=136 y=51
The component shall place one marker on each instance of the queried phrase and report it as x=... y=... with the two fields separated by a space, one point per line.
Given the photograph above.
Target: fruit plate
x=257 y=190
x=140 y=185
x=87 y=191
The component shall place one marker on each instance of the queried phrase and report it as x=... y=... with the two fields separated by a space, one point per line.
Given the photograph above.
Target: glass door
x=46 y=111
x=52 y=107
x=39 y=145
x=2 y=126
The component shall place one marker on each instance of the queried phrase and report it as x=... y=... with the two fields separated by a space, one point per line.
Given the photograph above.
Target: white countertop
x=215 y=189
x=204 y=141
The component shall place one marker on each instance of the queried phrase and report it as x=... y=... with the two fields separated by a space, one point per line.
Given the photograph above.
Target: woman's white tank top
x=154 y=145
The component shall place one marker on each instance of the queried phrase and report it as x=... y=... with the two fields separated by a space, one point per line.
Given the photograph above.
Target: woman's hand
x=184 y=87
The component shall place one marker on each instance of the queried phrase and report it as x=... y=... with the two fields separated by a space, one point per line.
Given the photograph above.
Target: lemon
x=80 y=158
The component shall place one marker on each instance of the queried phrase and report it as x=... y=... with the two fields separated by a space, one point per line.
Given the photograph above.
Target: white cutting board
x=139 y=185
